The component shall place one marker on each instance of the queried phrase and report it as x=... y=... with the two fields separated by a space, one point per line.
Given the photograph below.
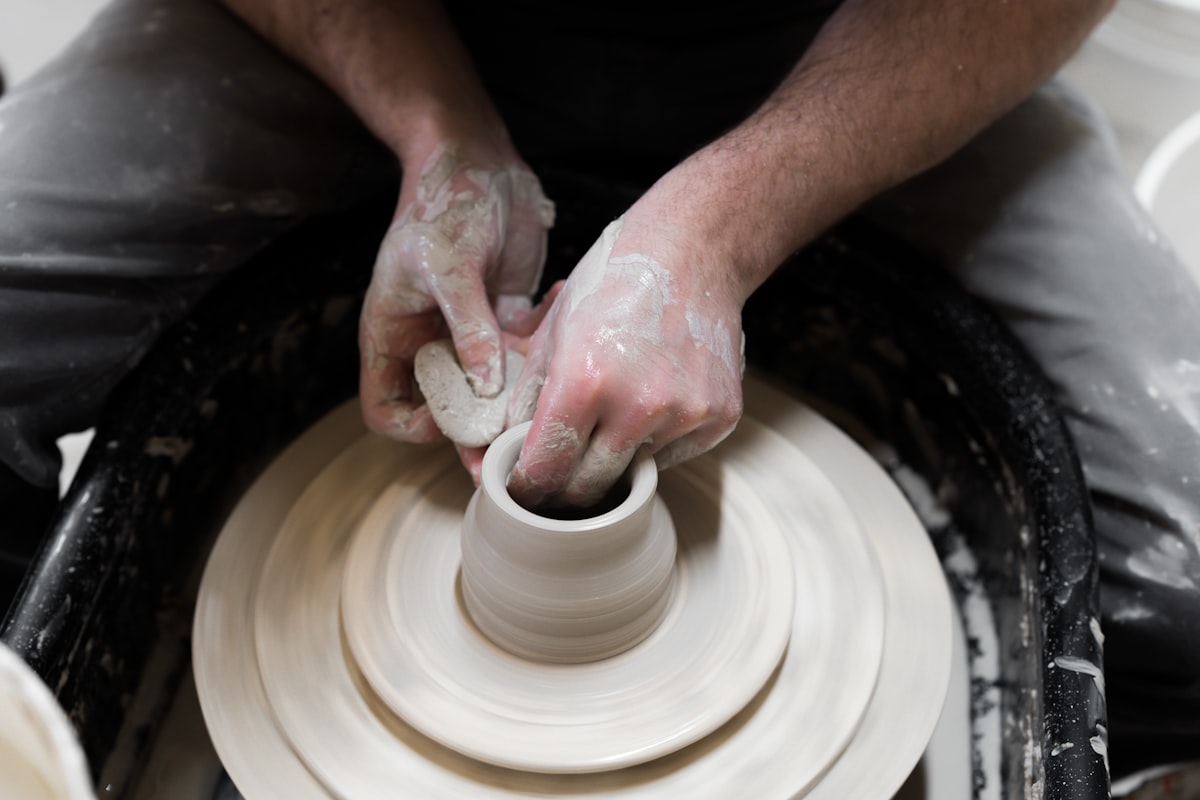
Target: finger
x=472 y=459
x=552 y=449
x=522 y=402
x=456 y=284
x=399 y=419
x=521 y=262
x=385 y=397
x=524 y=254
x=476 y=334
x=523 y=322
x=683 y=448
x=386 y=391
x=600 y=468
x=512 y=309
x=513 y=342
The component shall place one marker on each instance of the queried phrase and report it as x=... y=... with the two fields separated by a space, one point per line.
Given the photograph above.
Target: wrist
x=417 y=129
x=433 y=147
x=722 y=213
x=751 y=199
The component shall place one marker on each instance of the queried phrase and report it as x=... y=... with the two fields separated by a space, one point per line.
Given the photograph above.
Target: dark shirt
x=637 y=85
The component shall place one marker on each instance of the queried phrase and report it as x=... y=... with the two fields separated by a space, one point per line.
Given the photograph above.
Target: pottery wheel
x=806 y=650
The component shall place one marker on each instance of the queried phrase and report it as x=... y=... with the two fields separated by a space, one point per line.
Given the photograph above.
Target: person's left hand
x=463 y=257
x=641 y=346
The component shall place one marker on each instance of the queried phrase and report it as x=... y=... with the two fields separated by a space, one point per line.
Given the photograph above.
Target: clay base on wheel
x=844 y=712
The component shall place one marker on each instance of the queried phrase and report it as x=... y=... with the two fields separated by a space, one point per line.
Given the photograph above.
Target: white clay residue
x=713 y=336
x=1132 y=613
x=589 y=272
x=1082 y=666
x=1099 y=744
x=984 y=652
x=930 y=510
x=1034 y=776
x=1163 y=561
x=557 y=436
x=1178 y=388
x=1097 y=633
x=640 y=308
x=523 y=403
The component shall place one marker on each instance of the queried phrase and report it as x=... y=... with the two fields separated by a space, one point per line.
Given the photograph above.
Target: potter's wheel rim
x=912 y=682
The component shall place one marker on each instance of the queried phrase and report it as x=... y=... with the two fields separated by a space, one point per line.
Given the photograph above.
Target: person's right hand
x=465 y=252
x=640 y=347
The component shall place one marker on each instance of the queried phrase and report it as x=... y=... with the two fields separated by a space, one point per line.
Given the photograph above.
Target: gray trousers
x=1036 y=217
x=169 y=143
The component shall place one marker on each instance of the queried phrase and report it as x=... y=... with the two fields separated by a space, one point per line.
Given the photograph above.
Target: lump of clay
x=465 y=417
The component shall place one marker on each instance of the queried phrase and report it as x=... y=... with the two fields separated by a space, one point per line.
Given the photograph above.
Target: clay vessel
x=566 y=590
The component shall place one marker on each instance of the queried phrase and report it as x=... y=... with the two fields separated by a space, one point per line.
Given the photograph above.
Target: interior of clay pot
x=866 y=329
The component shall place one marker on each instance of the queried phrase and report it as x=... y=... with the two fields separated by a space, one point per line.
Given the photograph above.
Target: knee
x=1150 y=596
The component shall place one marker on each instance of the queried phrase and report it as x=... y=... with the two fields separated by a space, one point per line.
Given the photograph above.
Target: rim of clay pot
x=501 y=457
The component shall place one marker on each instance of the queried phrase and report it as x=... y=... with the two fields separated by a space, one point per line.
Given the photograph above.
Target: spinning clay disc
x=333 y=657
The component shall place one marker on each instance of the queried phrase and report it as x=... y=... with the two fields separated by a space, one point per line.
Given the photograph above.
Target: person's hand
x=465 y=252
x=641 y=346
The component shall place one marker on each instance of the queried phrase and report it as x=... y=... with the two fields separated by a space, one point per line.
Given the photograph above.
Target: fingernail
x=481 y=380
x=482 y=383
x=521 y=490
x=402 y=418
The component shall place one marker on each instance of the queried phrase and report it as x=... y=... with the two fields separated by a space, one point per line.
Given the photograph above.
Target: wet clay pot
x=560 y=589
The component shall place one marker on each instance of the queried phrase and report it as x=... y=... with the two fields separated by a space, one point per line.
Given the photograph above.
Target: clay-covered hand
x=642 y=345
x=465 y=251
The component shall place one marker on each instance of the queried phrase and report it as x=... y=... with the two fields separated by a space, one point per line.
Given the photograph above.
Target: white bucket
x=1169 y=186
x=40 y=756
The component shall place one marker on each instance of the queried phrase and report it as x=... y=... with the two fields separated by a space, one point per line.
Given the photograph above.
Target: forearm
x=888 y=89
x=399 y=65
